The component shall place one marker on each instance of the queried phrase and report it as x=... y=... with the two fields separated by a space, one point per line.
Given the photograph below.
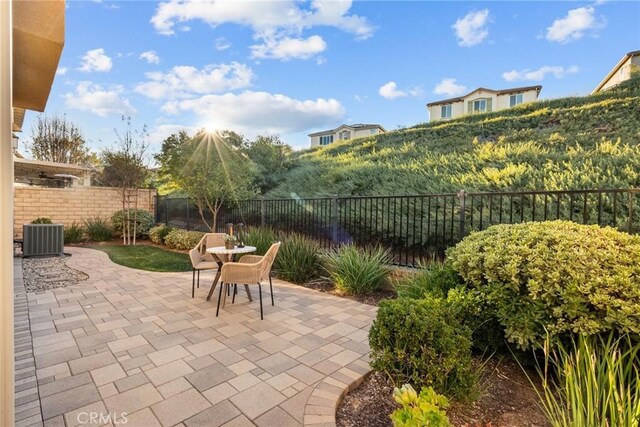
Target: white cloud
x=449 y=87
x=255 y=112
x=150 y=56
x=182 y=81
x=538 y=75
x=287 y=48
x=61 y=71
x=472 y=28
x=222 y=44
x=94 y=98
x=277 y=25
x=390 y=91
x=96 y=60
x=573 y=26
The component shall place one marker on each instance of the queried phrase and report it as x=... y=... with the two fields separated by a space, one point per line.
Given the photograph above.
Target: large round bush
x=183 y=239
x=553 y=278
x=423 y=342
x=144 y=221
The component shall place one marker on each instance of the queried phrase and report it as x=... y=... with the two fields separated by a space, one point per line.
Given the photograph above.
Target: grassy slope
x=567 y=143
x=147 y=258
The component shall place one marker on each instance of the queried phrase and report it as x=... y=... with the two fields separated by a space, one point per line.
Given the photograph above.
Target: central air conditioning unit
x=42 y=239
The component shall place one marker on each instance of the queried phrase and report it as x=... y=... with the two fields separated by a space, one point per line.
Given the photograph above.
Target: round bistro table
x=221 y=250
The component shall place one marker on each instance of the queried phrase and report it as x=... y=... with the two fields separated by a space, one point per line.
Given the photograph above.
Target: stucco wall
x=498 y=102
x=66 y=205
x=623 y=73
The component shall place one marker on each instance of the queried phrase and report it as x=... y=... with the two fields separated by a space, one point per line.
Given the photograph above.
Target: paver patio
x=135 y=342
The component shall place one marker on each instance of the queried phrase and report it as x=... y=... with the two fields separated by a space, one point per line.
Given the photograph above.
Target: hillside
x=566 y=143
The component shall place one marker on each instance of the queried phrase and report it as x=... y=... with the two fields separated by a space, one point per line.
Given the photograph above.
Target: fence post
x=334 y=219
x=188 y=215
x=462 y=196
x=166 y=212
x=263 y=213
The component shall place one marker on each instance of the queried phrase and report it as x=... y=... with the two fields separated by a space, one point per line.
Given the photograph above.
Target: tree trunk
x=135 y=217
x=124 y=233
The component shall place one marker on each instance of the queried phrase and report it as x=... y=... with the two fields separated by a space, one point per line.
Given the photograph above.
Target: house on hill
x=482 y=100
x=627 y=67
x=345 y=132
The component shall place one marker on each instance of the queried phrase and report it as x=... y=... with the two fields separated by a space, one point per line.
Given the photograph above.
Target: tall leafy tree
x=272 y=159
x=211 y=168
x=57 y=139
x=124 y=167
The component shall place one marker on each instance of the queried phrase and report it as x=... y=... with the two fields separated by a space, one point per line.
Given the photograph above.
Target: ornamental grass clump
x=73 y=233
x=432 y=277
x=592 y=381
x=262 y=238
x=298 y=259
x=359 y=271
x=98 y=229
x=558 y=278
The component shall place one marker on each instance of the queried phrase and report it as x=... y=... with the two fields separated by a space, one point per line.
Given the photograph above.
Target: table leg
x=246 y=288
x=215 y=281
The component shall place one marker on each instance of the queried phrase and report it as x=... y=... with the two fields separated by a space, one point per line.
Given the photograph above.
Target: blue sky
x=292 y=67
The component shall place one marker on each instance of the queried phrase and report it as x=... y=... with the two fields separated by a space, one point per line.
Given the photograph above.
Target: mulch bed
x=507 y=400
x=325 y=285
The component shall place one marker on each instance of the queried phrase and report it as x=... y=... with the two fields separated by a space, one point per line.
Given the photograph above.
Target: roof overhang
x=48 y=166
x=615 y=69
x=38 y=39
x=18 y=119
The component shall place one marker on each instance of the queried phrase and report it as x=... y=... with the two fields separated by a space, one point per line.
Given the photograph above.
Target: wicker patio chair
x=198 y=264
x=251 y=270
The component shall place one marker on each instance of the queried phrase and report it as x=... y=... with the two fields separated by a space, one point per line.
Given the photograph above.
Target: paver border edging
x=322 y=406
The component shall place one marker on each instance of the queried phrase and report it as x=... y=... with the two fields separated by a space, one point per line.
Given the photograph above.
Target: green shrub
x=425 y=410
x=433 y=277
x=73 y=233
x=98 y=229
x=158 y=233
x=592 y=382
x=42 y=220
x=262 y=238
x=557 y=277
x=423 y=342
x=358 y=271
x=182 y=239
x=144 y=221
x=298 y=259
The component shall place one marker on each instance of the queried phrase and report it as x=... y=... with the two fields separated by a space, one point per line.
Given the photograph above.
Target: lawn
x=149 y=258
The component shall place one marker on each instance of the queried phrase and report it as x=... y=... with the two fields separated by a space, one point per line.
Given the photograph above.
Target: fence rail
x=414 y=226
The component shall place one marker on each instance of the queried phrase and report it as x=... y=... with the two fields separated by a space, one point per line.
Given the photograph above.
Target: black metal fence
x=417 y=226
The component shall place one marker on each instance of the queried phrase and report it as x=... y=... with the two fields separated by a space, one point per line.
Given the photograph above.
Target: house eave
x=615 y=70
x=38 y=39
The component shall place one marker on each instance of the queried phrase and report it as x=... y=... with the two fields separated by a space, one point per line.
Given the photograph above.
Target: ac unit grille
x=42 y=239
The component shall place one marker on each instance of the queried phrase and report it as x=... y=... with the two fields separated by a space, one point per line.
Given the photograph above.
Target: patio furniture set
x=212 y=254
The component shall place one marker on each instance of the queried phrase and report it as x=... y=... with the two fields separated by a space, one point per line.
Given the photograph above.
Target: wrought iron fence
x=416 y=226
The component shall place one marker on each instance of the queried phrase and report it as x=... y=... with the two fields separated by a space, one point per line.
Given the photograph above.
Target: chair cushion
x=206 y=265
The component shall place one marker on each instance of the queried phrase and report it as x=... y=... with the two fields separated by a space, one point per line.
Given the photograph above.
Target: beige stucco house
x=628 y=66
x=345 y=132
x=31 y=42
x=482 y=100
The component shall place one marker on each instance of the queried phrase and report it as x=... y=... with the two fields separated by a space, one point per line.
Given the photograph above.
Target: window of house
x=445 y=111
x=515 y=100
x=325 y=140
x=479 y=105
x=373 y=131
x=345 y=134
